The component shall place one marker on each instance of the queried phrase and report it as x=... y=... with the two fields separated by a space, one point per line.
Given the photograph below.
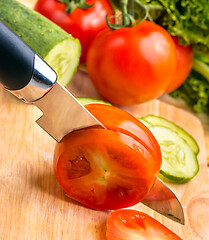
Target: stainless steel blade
x=164 y=201
x=62 y=113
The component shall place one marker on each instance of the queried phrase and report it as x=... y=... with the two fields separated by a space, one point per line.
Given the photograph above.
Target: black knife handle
x=16 y=60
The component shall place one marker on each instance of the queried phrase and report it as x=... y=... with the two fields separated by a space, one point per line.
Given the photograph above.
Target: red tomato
x=184 y=65
x=108 y=169
x=83 y=24
x=130 y=224
x=132 y=65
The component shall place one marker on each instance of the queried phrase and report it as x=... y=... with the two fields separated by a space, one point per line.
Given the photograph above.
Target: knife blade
x=37 y=84
x=161 y=199
x=56 y=126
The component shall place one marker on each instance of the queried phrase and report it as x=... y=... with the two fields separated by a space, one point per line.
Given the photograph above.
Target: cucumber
x=86 y=100
x=59 y=49
x=159 y=121
x=147 y=124
x=179 y=162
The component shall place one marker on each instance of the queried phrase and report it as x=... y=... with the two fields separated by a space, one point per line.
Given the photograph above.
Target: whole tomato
x=133 y=64
x=184 y=64
x=131 y=224
x=83 y=24
x=108 y=169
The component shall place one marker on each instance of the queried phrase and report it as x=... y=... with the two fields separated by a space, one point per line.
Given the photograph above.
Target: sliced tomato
x=107 y=169
x=131 y=224
x=122 y=121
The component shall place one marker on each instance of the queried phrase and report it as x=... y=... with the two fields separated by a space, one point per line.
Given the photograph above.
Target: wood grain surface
x=32 y=204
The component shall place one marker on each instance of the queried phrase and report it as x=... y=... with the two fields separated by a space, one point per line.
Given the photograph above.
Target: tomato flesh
x=131 y=224
x=105 y=172
x=106 y=169
x=122 y=121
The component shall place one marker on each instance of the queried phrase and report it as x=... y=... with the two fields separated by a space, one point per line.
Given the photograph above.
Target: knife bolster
x=42 y=80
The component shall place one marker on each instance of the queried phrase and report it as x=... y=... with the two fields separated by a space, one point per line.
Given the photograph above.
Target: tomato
x=132 y=65
x=185 y=58
x=121 y=121
x=108 y=169
x=83 y=24
x=131 y=224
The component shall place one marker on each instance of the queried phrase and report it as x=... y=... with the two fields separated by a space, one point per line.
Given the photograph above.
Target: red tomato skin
x=123 y=224
x=83 y=24
x=184 y=64
x=121 y=121
x=132 y=65
x=105 y=169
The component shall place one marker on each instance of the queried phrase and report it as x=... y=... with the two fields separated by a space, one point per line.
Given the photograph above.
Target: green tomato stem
x=132 y=8
x=71 y=5
x=128 y=18
x=124 y=7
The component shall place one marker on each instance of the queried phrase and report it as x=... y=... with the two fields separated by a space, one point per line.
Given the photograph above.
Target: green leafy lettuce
x=187 y=19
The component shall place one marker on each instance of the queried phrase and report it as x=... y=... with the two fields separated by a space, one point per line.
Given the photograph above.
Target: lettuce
x=187 y=19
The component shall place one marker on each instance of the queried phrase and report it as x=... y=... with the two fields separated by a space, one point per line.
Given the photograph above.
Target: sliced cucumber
x=85 y=101
x=147 y=124
x=179 y=163
x=159 y=121
x=59 y=49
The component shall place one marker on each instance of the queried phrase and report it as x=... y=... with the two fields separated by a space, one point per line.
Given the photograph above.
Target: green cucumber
x=59 y=49
x=159 y=121
x=179 y=162
x=86 y=100
x=147 y=124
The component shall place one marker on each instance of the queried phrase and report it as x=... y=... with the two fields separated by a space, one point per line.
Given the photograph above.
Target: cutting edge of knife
x=160 y=208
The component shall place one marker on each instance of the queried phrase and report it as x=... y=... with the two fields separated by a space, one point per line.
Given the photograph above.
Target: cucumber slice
x=159 y=121
x=147 y=124
x=59 y=49
x=179 y=162
x=85 y=101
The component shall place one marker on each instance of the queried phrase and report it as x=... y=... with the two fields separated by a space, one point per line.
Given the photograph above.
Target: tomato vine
x=73 y=4
x=128 y=14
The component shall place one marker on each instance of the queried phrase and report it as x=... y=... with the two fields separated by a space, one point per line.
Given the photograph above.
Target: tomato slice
x=131 y=224
x=103 y=169
x=121 y=121
x=107 y=169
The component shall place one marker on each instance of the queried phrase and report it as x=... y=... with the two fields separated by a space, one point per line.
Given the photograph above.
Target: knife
x=31 y=79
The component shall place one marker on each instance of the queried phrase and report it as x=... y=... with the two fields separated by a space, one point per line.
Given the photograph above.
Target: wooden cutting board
x=32 y=204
